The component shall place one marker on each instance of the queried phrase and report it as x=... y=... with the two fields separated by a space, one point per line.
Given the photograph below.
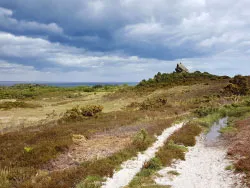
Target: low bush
x=142 y=140
x=186 y=135
x=175 y=147
x=154 y=164
x=173 y=79
x=79 y=113
x=237 y=86
x=204 y=111
x=169 y=152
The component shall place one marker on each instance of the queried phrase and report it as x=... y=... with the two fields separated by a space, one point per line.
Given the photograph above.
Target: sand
x=131 y=167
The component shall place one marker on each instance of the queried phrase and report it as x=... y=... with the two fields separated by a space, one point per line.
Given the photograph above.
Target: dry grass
x=17 y=104
x=240 y=146
x=49 y=140
x=174 y=148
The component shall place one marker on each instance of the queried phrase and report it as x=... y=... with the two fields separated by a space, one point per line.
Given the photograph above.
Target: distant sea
x=66 y=84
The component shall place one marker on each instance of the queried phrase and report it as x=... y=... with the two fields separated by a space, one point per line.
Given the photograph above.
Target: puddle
x=204 y=165
x=214 y=133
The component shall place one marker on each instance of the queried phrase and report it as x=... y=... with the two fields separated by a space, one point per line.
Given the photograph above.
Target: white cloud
x=40 y=49
x=7 y=22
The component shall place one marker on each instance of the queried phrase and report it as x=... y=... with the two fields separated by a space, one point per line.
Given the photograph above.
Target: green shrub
x=97 y=86
x=142 y=140
x=28 y=149
x=237 y=86
x=79 y=113
x=173 y=79
x=91 y=110
x=169 y=152
x=153 y=164
x=150 y=104
x=204 y=111
x=186 y=135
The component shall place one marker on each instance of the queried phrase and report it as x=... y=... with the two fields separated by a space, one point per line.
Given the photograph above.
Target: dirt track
x=205 y=165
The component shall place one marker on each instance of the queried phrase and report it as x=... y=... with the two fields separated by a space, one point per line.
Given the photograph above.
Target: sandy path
x=204 y=167
x=131 y=167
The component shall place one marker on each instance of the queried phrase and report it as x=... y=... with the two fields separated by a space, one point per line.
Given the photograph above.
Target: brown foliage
x=237 y=86
x=240 y=146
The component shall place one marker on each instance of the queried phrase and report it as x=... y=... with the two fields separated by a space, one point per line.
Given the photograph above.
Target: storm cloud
x=121 y=40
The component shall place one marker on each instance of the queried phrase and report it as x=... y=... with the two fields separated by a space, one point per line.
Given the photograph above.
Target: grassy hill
x=104 y=123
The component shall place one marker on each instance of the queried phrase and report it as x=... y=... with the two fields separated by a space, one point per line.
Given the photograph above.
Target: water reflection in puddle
x=213 y=135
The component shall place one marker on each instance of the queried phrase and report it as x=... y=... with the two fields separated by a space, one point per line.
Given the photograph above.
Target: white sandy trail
x=131 y=167
x=204 y=167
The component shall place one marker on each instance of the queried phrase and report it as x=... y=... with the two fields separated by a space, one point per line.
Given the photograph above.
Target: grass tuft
x=91 y=182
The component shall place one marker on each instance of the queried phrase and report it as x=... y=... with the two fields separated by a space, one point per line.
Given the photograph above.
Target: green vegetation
x=91 y=182
x=208 y=115
x=174 y=79
x=33 y=91
x=28 y=149
x=228 y=130
x=149 y=169
x=17 y=104
x=238 y=86
x=174 y=148
x=4 y=181
x=230 y=167
x=142 y=140
x=79 y=113
x=24 y=152
x=205 y=111
x=151 y=104
x=173 y=172
x=154 y=105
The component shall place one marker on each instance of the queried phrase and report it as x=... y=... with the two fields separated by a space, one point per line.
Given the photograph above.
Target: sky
x=121 y=40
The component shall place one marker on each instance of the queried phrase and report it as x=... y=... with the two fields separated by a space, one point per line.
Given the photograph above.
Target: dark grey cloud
x=125 y=36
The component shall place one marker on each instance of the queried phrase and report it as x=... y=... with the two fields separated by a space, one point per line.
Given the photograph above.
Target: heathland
x=57 y=137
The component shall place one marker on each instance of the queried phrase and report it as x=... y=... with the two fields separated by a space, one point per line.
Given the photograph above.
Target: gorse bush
x=151 y=104
x=79 y=113
x=91 y=110
x=237 y=86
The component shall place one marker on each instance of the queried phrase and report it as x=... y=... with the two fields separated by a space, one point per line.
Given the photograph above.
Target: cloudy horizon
x=121 y=40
